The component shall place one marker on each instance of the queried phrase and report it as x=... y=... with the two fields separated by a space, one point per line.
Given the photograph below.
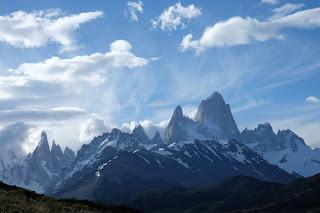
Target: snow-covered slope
x=285 y=149
x=116 y=165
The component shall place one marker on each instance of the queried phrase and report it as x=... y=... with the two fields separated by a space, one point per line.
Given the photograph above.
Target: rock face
x=40 y=162
x=116 y=166
x=177 y=129
x=217 y=113
x=140 y=134
x=213 y=120
x=68 y=156
x=285 y=149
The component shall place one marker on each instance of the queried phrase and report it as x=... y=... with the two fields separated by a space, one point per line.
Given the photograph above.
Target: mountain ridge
x=193 y=152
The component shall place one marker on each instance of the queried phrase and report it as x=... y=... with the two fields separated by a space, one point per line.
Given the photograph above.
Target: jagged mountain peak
x=68 y=156
x=43 y=144
x=157 y=135
x=43 y=135
x=177 y=113
x=217 y=113
x=216 y=97
x=56 y=149
x=176 y=129
x=115 y=131
x=138 y=130
x=285 y=149
x=157 y=138
x=213 y=120
x=67 y=150
x=265 y=126
x=210 y=108
x=140 y=134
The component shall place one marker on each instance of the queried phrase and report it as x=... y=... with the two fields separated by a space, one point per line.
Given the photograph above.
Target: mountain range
x=199 y=152
x=39 y=169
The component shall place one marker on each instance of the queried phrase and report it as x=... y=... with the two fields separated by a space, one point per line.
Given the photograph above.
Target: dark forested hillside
x=238 y=194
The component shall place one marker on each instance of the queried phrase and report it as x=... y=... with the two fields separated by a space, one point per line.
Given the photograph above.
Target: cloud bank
x=38 y=28
x=68 y=74
x=239 y=31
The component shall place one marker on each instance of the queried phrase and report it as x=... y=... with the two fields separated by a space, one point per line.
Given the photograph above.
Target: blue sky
x=263 y=56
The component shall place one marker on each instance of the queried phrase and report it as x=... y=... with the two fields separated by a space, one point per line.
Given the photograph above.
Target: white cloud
x=240 y=31
x=285 y=10
x=14 y=138
x=173 y=17
x=133 y=9
x=73 y=72
x=90 y=128
x=272 y=2
x=313 y=100
x=38 y=28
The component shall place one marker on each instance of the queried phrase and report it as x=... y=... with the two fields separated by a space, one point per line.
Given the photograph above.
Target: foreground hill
x=238 y=194
x=14 y=199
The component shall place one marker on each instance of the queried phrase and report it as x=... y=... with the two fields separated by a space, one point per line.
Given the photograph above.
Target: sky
x=79 y=68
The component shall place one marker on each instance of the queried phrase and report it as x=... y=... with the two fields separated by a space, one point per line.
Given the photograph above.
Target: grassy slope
x=14 y=199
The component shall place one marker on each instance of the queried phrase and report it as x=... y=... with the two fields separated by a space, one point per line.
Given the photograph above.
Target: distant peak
x=67 y=150
x=43 y=144
x=138 y=128
x=216 y=96
x=43 y=140
x=44 y=135
x=139 y=132
x=157 y=134
x=177 y=113
x=288 y=131
x=115 y=131
x=266 y=125
x=212 y=108
x=69 y=153
x=157 y=138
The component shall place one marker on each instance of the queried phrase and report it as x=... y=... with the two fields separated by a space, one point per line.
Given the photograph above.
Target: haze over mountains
x=117 y=165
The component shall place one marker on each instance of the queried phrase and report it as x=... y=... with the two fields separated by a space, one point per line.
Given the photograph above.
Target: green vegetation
x=14 y=199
